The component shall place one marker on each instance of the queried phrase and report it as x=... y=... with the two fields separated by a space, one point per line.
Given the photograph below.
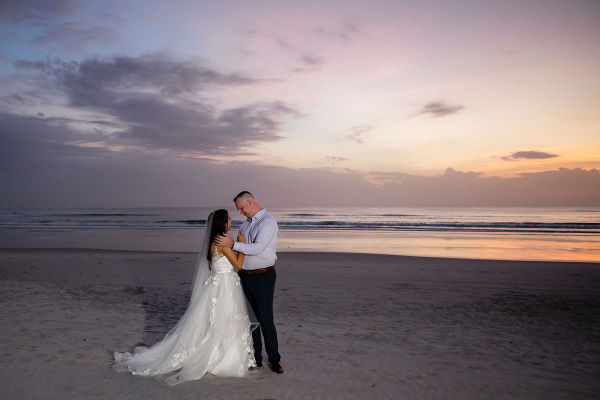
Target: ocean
x=554 y=234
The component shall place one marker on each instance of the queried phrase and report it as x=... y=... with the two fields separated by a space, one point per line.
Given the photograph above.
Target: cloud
x=336 y=159
x=439 y=109
x=310 y=63
x=44 y=170
x=155 y=71
x=75 y=36
x=284 y=44
x=21 y=99
x=57 y=22
x=563 y=187
x=281 y=42
x=45 y=162
x=41 y=65
x=154 y=98
x=529 y=155
x=450 y=175
x=350 y=28
x=30 y=143
x=310 y=60
x=16 y=11
x=357 y=131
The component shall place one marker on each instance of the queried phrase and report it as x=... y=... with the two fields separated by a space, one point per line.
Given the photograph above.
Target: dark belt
x=258 y=271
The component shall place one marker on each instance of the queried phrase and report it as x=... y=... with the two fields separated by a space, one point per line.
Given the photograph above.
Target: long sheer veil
x=202 y=264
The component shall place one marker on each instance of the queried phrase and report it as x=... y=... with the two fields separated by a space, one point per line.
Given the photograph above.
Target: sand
x=355 y=326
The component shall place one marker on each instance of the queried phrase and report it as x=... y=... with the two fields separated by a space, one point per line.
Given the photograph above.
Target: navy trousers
x=259 y=290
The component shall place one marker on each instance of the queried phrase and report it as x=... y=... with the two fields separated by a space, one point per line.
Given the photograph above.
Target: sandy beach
x=352 y=326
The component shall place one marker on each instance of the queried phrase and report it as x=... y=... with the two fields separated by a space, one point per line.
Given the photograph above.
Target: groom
x=258 y=273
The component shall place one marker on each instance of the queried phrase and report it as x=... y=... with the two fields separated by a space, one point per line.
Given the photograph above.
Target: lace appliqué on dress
x=178 y=358
x=248 y=346
x=142 y=373
x=216 y=255
x=211 y=316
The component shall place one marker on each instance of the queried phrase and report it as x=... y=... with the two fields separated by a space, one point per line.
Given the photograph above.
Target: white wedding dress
x=213 y=336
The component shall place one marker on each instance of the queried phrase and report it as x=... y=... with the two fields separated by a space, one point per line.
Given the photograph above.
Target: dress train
x=213 y=336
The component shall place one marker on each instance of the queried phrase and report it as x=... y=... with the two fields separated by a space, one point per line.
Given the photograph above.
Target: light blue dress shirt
x=261 y=241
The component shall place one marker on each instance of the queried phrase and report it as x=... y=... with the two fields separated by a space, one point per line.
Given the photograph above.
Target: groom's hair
x=245 y=195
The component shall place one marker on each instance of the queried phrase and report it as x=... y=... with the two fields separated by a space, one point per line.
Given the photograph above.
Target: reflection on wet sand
x=490 y=246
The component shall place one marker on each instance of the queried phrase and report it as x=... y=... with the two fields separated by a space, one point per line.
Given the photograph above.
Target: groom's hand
x=224 y=241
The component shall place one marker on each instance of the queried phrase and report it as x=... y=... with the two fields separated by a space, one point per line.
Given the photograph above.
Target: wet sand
x=350 y=326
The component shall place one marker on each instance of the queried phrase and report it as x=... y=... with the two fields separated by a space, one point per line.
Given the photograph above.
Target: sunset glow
x=299 y=93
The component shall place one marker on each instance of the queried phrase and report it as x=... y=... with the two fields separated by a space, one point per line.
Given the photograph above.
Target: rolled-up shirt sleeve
x=265 y=231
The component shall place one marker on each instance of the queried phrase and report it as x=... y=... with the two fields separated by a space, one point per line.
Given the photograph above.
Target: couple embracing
x=231 y=305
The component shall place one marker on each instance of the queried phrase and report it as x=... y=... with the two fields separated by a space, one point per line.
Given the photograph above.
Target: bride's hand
x=241 y=238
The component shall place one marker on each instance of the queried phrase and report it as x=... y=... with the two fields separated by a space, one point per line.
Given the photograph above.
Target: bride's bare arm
x=237 y=260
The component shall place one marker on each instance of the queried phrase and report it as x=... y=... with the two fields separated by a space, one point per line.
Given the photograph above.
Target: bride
x=214 y=334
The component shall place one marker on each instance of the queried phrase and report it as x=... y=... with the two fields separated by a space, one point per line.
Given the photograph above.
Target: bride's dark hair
x=219 y=227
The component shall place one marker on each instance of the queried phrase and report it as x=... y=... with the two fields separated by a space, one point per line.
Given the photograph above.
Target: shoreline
x=443 y=245
x=294 y=253
x=349 y=325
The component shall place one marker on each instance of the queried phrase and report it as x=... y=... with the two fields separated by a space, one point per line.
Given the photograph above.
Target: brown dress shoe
x=276 y=367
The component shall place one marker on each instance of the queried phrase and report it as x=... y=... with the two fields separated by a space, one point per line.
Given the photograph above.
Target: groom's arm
x=266 y=231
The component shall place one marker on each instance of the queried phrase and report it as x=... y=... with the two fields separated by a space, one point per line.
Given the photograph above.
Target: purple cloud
x=76 y=36
x=529 y=155
x=57 y=22
x=439 y=109
x=357 y=131
x=16 y=11
x=309 y=63
x=149 y=96
x=336 y=160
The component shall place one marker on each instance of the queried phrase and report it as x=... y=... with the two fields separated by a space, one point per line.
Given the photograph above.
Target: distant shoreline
x=303 y=254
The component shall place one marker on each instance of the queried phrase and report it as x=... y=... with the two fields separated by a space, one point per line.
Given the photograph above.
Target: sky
x=304 y=103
